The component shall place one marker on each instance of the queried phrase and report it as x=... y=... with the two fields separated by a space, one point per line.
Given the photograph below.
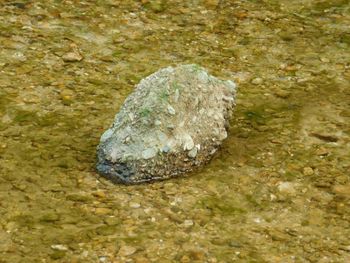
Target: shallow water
x=278 y=191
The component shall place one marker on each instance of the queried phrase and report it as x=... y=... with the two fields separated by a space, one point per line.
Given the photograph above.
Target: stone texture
x=173 y=122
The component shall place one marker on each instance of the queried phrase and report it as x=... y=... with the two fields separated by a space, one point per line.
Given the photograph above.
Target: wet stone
x=106 y=230
x=308 y=171
x=167 y=126
x=72 y=57
x=125 y=251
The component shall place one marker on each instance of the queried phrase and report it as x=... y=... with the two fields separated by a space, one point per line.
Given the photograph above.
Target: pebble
x=185 y=259
x=212 y=3
x=171 y=110
x=193 y=153
x=283 y=94
x=257 y=81
x=197 y=255
x=134 y=205
x=111 y=221
x=286 y=188
x=59 y=247
x=166 y=149
x=125 y=251
x=103 y=211
x=140 y=259
x=188 y=142
x=99 y=194
x=343 y=190
x=188 y=222
x=103 y=259
x=322 y=151
x=308 y=171
x=72 y=57
x=105 y=230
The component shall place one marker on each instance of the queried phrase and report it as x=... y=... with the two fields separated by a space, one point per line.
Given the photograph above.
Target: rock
x=177 y=113
x=257 y=81
x=72 y=57
x=125 y=251
x=106 y=230
x=103 y=211
x=134 y=205
x=342 y=190
x=283 y=94
x=286 y=188
x=308 y=171
x=321 y=151
x=59 y=247
x=325 y=137
x=111 y=221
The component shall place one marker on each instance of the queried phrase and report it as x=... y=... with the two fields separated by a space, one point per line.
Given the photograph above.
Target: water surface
x=279 y=189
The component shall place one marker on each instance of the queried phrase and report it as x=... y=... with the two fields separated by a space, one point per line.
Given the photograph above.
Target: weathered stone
x=176 y=113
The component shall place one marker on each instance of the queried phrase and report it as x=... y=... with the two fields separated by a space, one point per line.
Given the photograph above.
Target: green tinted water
x=278 y=191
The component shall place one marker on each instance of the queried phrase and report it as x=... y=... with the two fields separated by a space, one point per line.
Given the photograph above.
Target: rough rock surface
x=174 y=121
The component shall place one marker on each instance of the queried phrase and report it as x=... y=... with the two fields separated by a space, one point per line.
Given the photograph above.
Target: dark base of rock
x=163 y=168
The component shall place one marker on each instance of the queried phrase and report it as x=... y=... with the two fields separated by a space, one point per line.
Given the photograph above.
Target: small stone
x=166 y=149
x=324 y=60
x=134 y=205
x=185 y=259
x=103 y=258
x=188 y=222
x=342 y=190
x=282 y=93
x=171 y=110
x=322 y=151
x=286 y=188
x=49 y=217
x=72 y=57
x=257 y=81
x=106 y=230
x=211 y=4
x=197 y=255
x=58 y=254
x=193 y=153
x=78 y=197
x=59 y=247
x=112 y=221
x=103 y=211
x=188 y=142
x=125 y=251
x=308 y=171
x=278 y=235
x=99 y=194
x=325 y=137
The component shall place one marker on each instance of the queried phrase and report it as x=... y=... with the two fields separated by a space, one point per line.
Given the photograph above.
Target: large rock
x=174 y=121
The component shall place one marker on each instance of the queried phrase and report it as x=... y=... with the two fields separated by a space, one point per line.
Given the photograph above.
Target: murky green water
x=279 y=190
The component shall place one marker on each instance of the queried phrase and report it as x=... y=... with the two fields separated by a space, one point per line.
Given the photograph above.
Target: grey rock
x=193 y=153
x=176 y=113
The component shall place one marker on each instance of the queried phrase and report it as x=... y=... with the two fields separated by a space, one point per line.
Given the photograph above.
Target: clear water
x=278 y=191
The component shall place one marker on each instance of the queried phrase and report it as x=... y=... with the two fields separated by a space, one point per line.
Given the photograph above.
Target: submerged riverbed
x=279 y=189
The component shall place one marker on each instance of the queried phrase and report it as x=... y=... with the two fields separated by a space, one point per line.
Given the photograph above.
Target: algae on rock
x=174 y=121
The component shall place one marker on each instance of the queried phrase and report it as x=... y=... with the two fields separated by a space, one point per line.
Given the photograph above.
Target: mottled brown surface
x=273 y=194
